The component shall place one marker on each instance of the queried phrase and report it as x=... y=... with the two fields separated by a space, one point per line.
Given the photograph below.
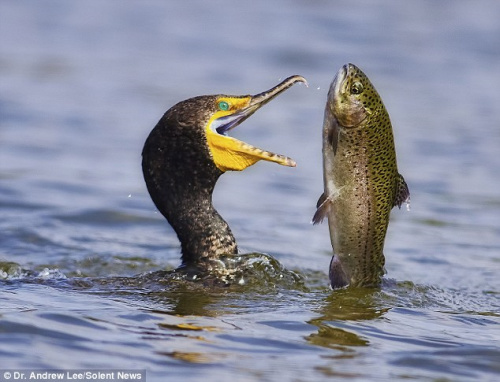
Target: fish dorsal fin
x=322 y=206
x=402 y=193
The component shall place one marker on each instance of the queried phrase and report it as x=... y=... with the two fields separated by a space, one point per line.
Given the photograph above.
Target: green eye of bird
x=223 y=105
x=357 y=88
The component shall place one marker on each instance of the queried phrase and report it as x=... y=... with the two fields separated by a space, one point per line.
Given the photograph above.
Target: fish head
x=352 y=97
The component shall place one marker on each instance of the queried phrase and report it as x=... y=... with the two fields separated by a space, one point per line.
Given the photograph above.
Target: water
x=83 y=83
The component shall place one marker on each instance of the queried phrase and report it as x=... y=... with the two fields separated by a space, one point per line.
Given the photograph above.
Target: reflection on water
x=336 y=338
x=86 y=263
x=353 y=304
x=345 y=305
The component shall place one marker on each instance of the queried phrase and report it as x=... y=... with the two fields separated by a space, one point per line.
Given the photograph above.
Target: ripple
x=467 y=361
x=103 y=217
x=15 y=328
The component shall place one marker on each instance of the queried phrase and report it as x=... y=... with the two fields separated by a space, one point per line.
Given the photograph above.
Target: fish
x=361 y=179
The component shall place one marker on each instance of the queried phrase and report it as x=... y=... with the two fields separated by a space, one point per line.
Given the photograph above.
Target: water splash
x=13 y=271
x=253 y=270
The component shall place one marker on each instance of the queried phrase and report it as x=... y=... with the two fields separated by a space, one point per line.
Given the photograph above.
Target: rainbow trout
x=361 y=179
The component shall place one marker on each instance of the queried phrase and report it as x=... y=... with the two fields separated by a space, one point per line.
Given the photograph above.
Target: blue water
x=83 y=83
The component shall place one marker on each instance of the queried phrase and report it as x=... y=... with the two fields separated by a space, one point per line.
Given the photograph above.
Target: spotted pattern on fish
x=362 y=183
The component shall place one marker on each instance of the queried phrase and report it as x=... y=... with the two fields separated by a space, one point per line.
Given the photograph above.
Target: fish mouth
x=232 y=154
x=339 y=79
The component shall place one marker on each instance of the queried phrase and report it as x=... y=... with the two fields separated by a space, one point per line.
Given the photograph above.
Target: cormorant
x=184 y=156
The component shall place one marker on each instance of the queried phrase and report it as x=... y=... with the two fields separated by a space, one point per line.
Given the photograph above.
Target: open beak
x=232 y=154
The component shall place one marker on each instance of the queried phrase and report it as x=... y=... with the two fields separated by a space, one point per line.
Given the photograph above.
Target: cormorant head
x=218 y=114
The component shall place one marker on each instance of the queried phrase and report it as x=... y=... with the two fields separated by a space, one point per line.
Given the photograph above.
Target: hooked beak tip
x=264 y=97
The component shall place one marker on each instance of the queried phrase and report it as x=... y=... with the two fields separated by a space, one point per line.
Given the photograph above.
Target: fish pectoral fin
x=402 y=193
x=323 y=206
x=321 y=200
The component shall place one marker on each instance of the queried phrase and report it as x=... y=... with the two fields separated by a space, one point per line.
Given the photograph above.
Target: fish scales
x=361 y=179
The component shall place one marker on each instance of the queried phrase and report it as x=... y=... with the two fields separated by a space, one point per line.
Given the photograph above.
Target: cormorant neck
x=180 y=176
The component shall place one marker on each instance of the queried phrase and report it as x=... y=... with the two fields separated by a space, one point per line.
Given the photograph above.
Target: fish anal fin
x=338 y=277
x=323 y=206
x=402 y=192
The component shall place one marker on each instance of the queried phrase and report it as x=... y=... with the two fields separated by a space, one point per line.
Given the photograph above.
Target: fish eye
x=357 y=88
x=223 y=105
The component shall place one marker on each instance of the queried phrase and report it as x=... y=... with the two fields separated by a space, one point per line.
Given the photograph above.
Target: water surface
x=83 y=83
